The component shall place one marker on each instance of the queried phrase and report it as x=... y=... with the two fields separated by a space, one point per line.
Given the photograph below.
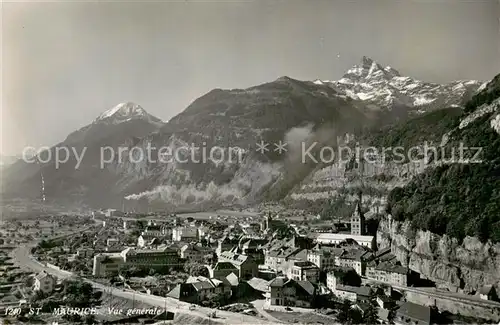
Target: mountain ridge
x=233 y=117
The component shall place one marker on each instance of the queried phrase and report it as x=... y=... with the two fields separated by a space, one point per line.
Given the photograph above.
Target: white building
x=44 y=282
x=335 y=238
x=113 y=213
x=106 y=264
x=186 y=234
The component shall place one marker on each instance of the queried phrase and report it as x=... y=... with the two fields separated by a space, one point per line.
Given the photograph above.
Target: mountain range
x=367 y=98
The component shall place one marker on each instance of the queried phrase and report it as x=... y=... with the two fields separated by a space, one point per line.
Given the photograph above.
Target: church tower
x=358 y=218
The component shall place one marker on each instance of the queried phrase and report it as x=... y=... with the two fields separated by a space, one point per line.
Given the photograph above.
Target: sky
x=64 y=63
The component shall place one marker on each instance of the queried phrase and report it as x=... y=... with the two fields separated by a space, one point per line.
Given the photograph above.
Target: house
x=303 y=271
x=410 y=313
x=146 y=240
x=222 y=270
x=247 y=268
x=282 y=291
x=203 y=231
x=252 y=247
x=259 y=284
x=342 y=275
x=353 y=293
x=488 y=292
x=362 y=307
x=389 y=272
x=194 y=253
x=153 y=231
x=384 y=302
x=44 y=282
x=186 y=234
x=385 y=305
x=324 y=257
x=159 y=231
x=225 y=244
x=277 y=259
x=85 y=252
x=355 y=258
x=199 y=289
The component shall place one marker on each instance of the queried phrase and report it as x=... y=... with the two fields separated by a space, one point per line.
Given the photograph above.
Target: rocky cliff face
x=468 y=265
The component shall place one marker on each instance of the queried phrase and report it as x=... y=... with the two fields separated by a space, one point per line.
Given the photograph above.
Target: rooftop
x=341 y=237
x=419 y=312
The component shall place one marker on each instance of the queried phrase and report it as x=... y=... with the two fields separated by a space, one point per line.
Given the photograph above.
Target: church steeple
x=358 y=218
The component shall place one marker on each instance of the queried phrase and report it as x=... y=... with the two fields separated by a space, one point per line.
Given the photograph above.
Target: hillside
x=367 y=98
x=460 y=199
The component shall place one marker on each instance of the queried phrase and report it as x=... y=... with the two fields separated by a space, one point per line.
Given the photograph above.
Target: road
x=25 y=260
x=433 y=292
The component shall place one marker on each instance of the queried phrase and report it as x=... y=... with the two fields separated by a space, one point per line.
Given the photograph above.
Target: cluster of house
x=289 y=272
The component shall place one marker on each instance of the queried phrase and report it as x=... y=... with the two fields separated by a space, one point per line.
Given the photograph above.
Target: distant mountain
x=289 y=110
x=384 y=88
x=117 y=127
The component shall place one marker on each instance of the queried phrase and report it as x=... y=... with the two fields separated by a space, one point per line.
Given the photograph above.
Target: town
x=268 y=266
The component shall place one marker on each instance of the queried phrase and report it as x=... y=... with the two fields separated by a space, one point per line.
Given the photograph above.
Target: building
x=159 y=231
x=488 y=292
x=85 y=252
x=391 y=273
x=112 y=242
x=44 y=282
x=152 y=232
x=185 y=234
x=98 y=215
x=269 y=224
x=160 y=258
x=304 y=271
x=200 y=289
x=107 y=264
x=336 y=238
x=252 y=247
x=277 y=258
x=356 y=259
x=282 y=291
x=341 y=275
x=386 y=268
x=358 y=220
x=222 y=270
x=324 y=257
x=353 y=293
x=226 y=243
x=410 y=313
x=247 y=268
x=113 y=213
x=195 y=253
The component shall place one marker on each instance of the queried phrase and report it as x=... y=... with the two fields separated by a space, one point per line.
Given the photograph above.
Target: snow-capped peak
x=124 y=109
x=124 y=112
x=383 y=87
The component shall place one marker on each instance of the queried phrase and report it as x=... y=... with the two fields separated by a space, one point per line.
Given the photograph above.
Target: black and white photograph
x=250 y=162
